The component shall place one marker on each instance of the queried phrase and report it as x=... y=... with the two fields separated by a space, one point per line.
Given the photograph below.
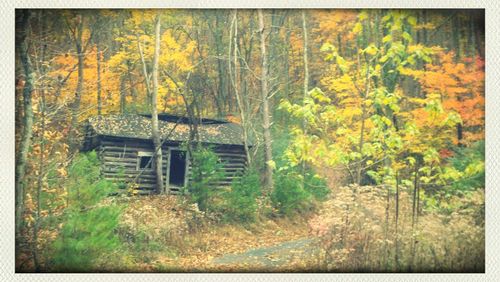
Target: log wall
x=119 y=163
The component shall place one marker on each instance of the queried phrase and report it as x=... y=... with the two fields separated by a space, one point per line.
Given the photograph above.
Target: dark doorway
x=177 y=168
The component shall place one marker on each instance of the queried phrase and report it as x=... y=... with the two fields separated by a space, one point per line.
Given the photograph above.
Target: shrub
x=207 y=171
x=316 y=186
x=289 y=196
x=241 y=200
x=470 y=162
x=87 y=236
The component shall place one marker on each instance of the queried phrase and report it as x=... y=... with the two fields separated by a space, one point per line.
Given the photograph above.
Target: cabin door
x=177 y=169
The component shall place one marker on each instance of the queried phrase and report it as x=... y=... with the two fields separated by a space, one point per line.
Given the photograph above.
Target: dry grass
x=186 y=240
x=357 y=228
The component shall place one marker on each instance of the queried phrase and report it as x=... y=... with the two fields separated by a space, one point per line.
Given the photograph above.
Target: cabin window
x=145 y=160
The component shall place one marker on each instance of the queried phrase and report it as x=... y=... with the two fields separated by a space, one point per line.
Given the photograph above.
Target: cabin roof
x=139 y=127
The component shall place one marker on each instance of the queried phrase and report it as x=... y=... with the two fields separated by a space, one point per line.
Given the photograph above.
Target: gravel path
x=272 y=256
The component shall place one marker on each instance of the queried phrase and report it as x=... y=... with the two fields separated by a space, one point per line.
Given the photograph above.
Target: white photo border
x=7 y=132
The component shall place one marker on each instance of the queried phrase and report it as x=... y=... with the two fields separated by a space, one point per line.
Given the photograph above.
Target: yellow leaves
x=371 y=50
x=412 y=21
x=86 y=35
x=62 y=171
x=318 y=95
x=343 y=83
x=140 y=17
x=271 y=164
x=176 y=52
x=363 y=15
x=358 y=28
x=387 y=38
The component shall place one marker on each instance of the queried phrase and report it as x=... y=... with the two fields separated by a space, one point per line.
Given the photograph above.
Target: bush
x=87 y=236
x=241 y=200
x=207 y=171
x=470 y=161
x=316 y=186
x=288 y=196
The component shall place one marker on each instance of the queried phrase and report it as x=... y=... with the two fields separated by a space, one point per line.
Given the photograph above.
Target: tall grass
x=358 y=233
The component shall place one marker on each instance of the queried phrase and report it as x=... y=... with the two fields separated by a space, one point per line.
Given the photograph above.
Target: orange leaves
x=461 y=87
x=335 y=23
x=233 y=119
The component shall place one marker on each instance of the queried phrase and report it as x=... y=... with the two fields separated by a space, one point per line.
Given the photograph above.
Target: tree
x=22 y=48
x=154 y=111
x=77 y=34
x=266 y=115
x=234 y=82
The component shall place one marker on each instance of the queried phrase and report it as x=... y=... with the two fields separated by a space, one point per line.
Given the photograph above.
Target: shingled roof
x=139 y=127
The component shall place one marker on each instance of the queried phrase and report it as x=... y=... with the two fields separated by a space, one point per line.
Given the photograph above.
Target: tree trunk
x=154 y=112
x=123 y=94
x=99 y=84
x=41 y=160
x=306 y=85
x=396 y=239
x=266 y=118
x=145 y=72
x=386 y=236
x=221 y=72
x=132 y=90
x=234 y=81
x=306 y=67
x=27 y=133
x=413 y=218
x=359 y=168
x=79 y=87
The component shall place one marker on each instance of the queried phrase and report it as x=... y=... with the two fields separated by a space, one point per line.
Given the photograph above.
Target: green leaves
x=87 y=236
x=319 y=96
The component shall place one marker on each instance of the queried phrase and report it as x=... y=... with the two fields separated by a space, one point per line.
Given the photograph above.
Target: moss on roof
x=137 y=126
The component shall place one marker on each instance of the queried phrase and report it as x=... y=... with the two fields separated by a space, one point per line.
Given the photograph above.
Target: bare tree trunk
x=396 y=235
x=79 y=87
x=359 y=169
x=235 y=83
x=287 y=59
x=132 y=90
x=306 y=83
x=99 y=84
x=306 y=67
x=266 y=118
x=27 y=133
x=413 y=218
x=145 y=72
x=41 y=161
x=154 y=111
x=221 y=72
x=386 y=236
x=123 y=94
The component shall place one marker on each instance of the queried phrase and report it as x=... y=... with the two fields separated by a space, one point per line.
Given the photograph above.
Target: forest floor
x=274 y=245
x=269 y=245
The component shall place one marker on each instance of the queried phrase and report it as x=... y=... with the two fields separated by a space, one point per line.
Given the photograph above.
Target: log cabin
x=125 y=148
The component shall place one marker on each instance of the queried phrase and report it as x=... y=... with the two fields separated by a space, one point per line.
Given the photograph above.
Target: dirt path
x=268 y=257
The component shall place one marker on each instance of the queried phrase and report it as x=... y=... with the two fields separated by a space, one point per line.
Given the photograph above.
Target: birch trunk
x=154 y=112
x=234 y=81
